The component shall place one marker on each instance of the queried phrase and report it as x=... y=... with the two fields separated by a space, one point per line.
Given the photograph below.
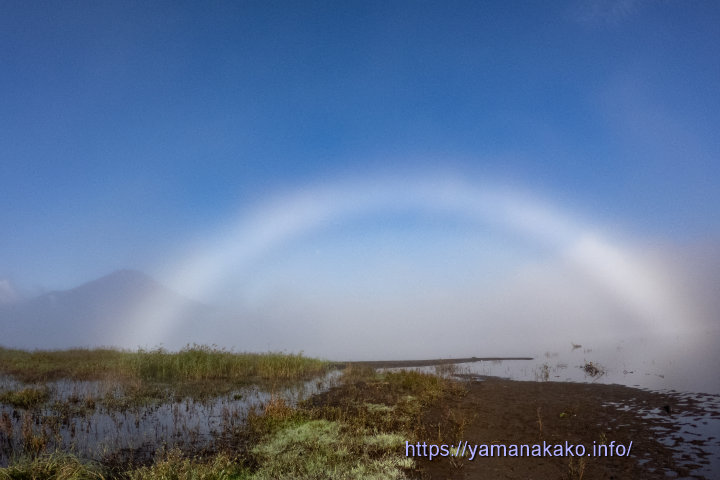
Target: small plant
x=593 y=369
x=539 y=421
x=576 y=468
x=543 y=373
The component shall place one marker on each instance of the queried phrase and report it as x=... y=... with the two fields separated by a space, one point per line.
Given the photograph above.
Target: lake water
x=684 y=364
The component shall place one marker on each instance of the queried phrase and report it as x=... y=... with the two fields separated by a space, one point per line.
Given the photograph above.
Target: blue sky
x=129 y=129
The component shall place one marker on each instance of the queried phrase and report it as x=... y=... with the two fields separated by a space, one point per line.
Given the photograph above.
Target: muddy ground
x=510 y=412
x=494 y=411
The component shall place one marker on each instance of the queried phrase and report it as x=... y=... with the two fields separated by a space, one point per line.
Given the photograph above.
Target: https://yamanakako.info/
x=470 y=451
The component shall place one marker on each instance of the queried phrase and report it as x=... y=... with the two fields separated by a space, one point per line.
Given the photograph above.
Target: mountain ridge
x=91 y=313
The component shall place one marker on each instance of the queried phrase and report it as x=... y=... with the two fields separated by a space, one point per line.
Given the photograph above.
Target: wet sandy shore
x=505 y=412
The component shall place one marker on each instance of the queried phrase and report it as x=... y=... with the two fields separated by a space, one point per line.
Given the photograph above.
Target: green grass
x=79 y=364
x=175 y=466
x=199 y=363
x=25 y=398
x=326 y=449
x=55 y=466
x=192 y=363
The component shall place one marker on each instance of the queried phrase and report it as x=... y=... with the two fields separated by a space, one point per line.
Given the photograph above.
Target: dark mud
x=497 y=411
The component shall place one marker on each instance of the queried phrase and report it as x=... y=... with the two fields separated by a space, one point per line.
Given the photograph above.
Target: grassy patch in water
x=192 y=363
x=199 y=363
x=25 y=398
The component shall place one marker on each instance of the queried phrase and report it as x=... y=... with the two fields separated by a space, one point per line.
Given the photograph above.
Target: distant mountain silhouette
x=89 y=314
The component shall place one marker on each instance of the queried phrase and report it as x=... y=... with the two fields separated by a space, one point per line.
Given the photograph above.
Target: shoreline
x=422 y=363
x=504 y=412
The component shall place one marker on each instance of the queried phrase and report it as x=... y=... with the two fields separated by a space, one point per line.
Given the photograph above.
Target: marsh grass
x=77 y=364
x=173 y=465
x=428 y=388
x=194 y=363
x=25 y=398
x=56 y=466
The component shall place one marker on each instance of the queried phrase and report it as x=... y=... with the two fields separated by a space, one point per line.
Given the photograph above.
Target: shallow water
x=693 y=433
x=66 y=422
x=679 y=363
